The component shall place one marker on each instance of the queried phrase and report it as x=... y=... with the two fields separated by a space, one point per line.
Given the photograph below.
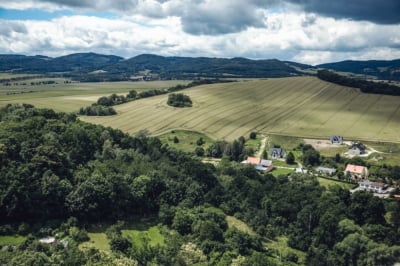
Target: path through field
x=298 y=106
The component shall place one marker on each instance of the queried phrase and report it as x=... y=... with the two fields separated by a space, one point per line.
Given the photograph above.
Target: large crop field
x=298 y=106
x=69 y=97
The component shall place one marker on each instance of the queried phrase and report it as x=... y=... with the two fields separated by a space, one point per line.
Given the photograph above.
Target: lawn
x=329 y=183
x=11 y=240
x=151 y=234
x=281 y=171
x=98 y=241
x=187 y=140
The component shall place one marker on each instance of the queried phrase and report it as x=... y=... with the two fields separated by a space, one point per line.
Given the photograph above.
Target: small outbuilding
x=326 y=170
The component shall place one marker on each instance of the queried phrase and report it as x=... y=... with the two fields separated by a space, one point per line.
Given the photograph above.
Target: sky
x=305 y=31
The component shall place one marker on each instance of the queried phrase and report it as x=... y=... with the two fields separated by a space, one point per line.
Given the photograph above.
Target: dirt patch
x=321 y=144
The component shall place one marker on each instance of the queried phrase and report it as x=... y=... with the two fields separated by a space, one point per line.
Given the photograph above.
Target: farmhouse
x=260 y=165
x=277 y=153
x=325 y=170
x=337 y=139
x=357 y=149
x=375 y=187
x=356 y=172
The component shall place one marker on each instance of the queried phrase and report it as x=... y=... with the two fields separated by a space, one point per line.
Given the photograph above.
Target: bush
x=253 y=135
x=199 y=151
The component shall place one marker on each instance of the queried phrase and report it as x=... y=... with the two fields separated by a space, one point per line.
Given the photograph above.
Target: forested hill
x=81 y=62
x=108 y=67
x=189 y=67
x=58 y=174
x=381 y=69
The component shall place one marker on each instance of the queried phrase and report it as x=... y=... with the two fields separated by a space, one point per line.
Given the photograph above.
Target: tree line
x=364 y=85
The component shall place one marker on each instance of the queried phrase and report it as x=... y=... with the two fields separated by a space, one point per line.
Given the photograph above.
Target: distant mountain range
x=95 y=67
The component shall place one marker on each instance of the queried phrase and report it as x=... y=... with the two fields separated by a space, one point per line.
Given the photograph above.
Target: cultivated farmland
x=298 y=106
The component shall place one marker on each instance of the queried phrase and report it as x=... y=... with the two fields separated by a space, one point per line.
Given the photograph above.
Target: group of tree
x=179 y=100
x=54 y=167
x=363 y=85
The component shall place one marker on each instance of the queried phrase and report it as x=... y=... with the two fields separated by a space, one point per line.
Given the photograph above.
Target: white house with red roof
x=357 y=172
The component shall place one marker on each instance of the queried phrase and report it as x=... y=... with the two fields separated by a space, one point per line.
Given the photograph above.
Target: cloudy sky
x=306 y=31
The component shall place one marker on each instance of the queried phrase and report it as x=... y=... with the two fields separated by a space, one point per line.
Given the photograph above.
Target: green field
x=69 y=97
x=11 y=240
x=299 y=106
x=137 y=236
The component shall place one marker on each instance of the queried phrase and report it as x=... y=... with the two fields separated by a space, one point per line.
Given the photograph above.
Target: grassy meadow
x=298 y=106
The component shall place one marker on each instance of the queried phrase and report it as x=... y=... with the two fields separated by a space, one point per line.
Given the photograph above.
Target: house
x=337 y=139
x=260 y=165
x=301 y=171
x=356 y=172
x=252 y=160
x=325 y=170
x=357 y=149
x=277 y=153
x=376 y=187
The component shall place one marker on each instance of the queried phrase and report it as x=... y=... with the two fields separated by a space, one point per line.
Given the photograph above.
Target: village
x=355 y=174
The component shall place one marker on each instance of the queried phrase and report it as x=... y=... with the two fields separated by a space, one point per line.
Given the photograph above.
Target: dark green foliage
x=363 y=85
x=176 y=140
x=97 y=110
x=290 y=158
x=179 y=100
x=310 y=157
x=253 y=135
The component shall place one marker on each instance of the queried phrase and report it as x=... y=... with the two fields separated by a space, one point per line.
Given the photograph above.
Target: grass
x=281 y=249
x=11 y=240
x=98 y=241
x=152 y=234
x=281 y=171
x=187 y=140
x=329 y=183
x=233 y=222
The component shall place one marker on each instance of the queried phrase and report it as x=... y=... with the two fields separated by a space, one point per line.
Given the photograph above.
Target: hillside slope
x=300 y=106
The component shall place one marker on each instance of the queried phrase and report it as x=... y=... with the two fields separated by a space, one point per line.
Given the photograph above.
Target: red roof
x=253 y=160
x=357 y=169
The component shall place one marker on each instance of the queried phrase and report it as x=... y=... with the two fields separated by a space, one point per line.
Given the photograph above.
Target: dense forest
x=364 y=85
x=59 y=175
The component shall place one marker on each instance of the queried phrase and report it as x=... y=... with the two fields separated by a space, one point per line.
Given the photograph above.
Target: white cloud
x=302 y=37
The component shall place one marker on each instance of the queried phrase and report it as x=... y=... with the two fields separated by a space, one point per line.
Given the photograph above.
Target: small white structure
x=325 y=170
x=50 y=240
x=301 y=171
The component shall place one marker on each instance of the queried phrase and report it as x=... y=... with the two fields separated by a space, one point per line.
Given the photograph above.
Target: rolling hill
x=298 y=106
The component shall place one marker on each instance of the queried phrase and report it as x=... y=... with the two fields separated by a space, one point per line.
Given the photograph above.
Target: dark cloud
x=380 y=12
x=222 y=18
x=7 y=28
